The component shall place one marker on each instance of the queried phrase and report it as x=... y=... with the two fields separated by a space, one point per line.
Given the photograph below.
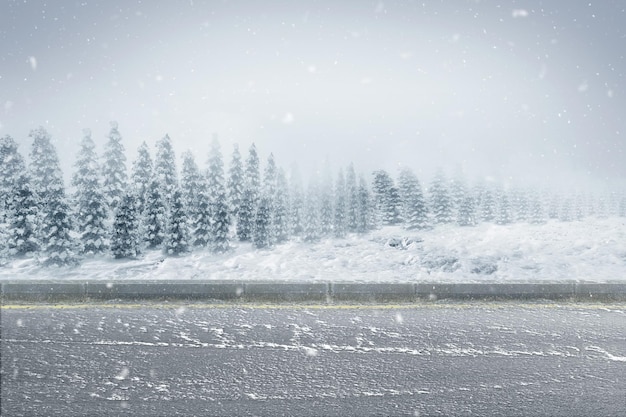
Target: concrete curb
x=284 y=291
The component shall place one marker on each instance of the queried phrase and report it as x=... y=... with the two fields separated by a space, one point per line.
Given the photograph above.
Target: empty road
x=439 y=359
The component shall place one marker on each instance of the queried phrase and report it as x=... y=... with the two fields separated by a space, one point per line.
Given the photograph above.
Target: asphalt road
x=502 y=359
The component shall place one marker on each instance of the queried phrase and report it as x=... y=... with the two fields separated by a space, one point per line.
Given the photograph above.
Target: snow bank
x=593 y=250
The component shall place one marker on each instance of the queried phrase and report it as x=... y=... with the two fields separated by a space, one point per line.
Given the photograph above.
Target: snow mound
x=592 y=250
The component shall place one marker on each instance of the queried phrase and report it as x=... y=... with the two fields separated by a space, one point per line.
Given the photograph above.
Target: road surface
x=423 y=360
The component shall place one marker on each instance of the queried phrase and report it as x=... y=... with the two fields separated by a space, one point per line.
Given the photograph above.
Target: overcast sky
x=503 y=88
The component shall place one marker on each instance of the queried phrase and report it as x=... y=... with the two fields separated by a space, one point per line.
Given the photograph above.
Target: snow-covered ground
x=593 y=250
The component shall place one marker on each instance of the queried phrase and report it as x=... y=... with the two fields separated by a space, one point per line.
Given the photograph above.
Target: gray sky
x=503 y=88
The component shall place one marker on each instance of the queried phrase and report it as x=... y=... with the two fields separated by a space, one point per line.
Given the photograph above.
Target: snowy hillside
x=592 y=250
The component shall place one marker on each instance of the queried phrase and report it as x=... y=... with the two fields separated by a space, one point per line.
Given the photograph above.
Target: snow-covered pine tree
x=200 y=222
x=114 y=168
x=125 y=241
x=90 y=204
x=218 y=204
x=252 y=174
x=339 y=225
x=440 y=203
x=23 y=218
x=165 y=169
x=247 y=214
x=566 y=214
x=269 y=191
x=488 y=206
x=177 y=236
x=11 y=168
x=503 y=215
x=458 y=190
x=281 y=208
x=250 y=197
x=296 y=214
x=477 y=192
x=387 y=197
x=325 y=192
x=613 y=203
x=263 y=222
x=521 y=205
x=364 y=217
x=414 y=209
x=590 y=204
x=312 y=227
x=602 y=211
x=536 y=209
x=580 y=207
x=45 y=172
x=554 y=205
x=155 y=216
x=381 y=185
x=352 y=200
x=235 y=182
x=142 y=175
x=190 y=183
x=622 y=204
x=58 y=247
x=467 y=212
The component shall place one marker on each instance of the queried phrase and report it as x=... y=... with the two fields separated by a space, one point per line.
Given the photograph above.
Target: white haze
x=528 y=92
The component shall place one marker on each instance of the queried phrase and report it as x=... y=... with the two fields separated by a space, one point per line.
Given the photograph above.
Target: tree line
x=159 y=207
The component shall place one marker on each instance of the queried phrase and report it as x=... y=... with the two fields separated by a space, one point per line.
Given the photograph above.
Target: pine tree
x=553 y=207
x=269 y=191
x=11 y=168
x=45 y=172
x=536 y=209
x=387 y=196
x=566 y=214
x=458 y=190
x=296 y=215
x=165 y=169
x=235 y=182
x=23 y=219
x=339 y=225
x=352 y=203
x=58 y=247
x=488 y=206
x=504 y=215
x=218 y=204
x=125 y=242
x=89 y=200
x=414 y=207
x=312 y=227
x=155 y=216
x=522 y=209
x=190 y=182
x=281 y=208
x=440 y=204
x=467 y=212
x=201 y=230
x=364 y=217
x=177 y=237
x=252 y=174
x=246 y=215
x=262 y=225
x=325 y=191
x=250 y=197
x=579 y=207
x=622 y=204
x=142 y=175
x=114 y=168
